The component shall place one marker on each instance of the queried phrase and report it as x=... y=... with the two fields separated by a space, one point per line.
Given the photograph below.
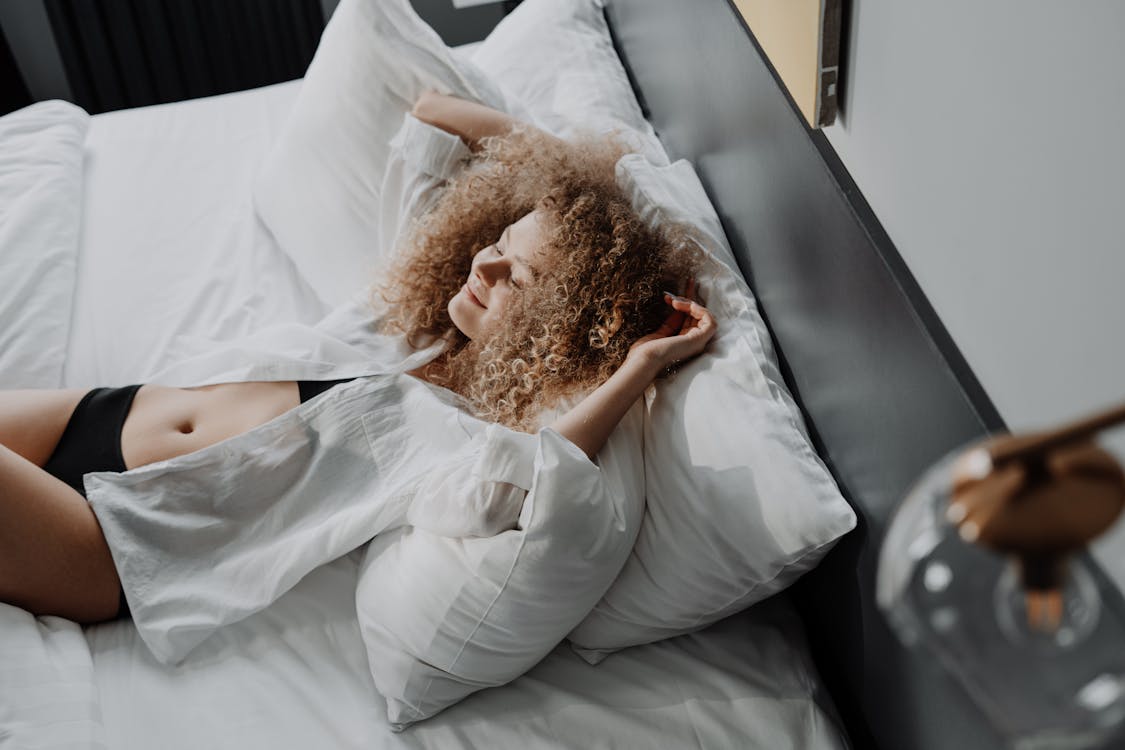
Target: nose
x=490 y=267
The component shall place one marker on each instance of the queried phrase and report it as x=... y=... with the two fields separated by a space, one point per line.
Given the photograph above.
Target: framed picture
x=801 y=38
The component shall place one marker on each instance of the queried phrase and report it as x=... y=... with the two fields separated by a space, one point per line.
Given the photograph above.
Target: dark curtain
x=130 y=53
x=13 y=90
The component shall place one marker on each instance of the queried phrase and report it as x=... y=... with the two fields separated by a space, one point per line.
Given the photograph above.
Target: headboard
x=884 y=390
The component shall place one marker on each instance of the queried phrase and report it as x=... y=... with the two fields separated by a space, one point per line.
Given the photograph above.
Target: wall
x=987 y=139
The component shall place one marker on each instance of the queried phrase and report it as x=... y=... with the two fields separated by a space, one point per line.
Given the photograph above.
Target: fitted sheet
x=169 y=230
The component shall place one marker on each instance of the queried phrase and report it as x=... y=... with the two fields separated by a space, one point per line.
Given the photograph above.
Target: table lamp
x=982 y=566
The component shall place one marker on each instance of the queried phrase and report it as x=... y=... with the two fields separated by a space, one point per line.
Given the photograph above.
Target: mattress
x=168 y=229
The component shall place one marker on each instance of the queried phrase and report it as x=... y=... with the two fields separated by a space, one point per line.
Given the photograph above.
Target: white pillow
x=556 y=58
x=443 y=617
x=41 y=166
x=738 y=503
x=319 y=190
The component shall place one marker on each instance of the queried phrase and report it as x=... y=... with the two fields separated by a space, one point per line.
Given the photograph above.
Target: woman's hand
x=683 y=335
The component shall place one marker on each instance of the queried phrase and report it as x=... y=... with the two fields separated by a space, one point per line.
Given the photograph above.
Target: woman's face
x=511 y=263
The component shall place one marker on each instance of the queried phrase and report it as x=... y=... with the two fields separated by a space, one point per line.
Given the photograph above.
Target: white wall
x=988 y=139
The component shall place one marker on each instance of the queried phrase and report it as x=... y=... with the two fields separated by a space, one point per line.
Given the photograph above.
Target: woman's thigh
x=32 y=421
x=54 y=559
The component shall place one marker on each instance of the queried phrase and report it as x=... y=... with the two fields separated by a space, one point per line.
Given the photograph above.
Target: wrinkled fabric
x=41 y=173
x=208 y=538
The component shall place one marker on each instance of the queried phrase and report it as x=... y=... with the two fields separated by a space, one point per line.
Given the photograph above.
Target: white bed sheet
x=171 y=253
x=171 y=249
x=295 y=676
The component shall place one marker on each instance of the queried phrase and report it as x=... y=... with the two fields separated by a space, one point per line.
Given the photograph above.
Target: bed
x=296 y=674
x=168 y=226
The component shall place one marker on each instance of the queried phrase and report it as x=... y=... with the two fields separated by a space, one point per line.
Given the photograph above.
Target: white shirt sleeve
x=480 y=490
x=422 y=158
x=430 y=149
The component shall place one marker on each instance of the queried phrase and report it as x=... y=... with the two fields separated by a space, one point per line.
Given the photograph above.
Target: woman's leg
x=53 y=557
x=32 y=421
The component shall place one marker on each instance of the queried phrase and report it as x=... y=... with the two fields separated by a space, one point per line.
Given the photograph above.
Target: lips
x=473 y=297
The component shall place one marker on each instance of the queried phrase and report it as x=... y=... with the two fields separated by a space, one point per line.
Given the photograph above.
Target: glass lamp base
x=1061 y=688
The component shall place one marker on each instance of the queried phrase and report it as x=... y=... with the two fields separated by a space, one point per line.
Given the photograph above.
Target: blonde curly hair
x=602 y=290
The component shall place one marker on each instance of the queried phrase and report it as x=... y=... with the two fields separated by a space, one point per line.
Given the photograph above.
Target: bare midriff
x=167 y=422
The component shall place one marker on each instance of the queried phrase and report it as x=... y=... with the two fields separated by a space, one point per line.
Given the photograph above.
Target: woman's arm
x=468 y=120
x=682 y=336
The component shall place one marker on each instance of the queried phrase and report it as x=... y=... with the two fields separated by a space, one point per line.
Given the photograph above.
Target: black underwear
x=311 y=388
x=92 y=438
x=92 y=442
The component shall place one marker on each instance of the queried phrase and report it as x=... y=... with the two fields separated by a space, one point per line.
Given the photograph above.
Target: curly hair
x=567 y=333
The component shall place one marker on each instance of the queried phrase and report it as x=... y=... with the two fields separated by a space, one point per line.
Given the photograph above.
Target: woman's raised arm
x=469 y=120
x=682 y=336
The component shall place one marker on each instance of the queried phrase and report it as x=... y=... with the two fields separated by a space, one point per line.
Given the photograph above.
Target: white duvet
x=41 y=150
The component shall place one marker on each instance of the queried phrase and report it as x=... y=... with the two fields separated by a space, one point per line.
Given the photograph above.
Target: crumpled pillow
x=443 y=617
x=319 y=190
x=738 y=504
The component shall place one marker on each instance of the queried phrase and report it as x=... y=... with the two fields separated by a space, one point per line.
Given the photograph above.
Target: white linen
x=556 y=59
x=40 y=214
x=319 y=191
x=295 y=676
x=738 y=503
x=203 y=540
x=169 y=230
x=444 y=617
x=165 y=215
x=405 y=187
x=308 y=475
x=47 y=697
x=47 y=694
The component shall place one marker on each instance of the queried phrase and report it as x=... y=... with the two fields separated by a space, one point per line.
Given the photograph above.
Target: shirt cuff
x=430 y=149
x=508 y=456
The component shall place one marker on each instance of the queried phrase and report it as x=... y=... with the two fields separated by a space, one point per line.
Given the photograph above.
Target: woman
x=530 y=269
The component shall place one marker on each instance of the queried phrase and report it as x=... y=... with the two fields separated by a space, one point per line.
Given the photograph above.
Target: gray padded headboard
x=884 y=390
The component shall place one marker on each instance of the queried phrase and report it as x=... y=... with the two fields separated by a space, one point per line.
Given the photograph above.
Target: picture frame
x=801 y=39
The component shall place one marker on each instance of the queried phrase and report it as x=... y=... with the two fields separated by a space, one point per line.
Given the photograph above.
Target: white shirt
x=207 y=538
